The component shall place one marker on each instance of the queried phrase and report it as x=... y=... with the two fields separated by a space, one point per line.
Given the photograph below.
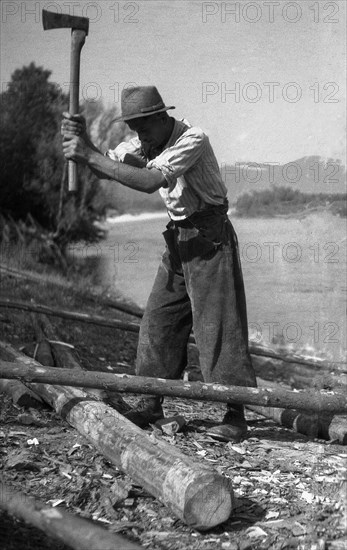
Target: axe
x=79 y=29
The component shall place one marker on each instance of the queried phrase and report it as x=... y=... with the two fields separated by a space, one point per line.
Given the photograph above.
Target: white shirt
x=189 y=166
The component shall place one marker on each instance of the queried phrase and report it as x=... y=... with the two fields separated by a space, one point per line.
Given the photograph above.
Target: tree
x=32 y=162
x=33 y=174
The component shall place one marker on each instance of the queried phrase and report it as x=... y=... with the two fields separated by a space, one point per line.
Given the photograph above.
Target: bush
x=286 y=200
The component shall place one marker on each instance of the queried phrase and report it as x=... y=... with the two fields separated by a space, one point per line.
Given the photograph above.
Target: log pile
x=195 y=493
x=299 y=373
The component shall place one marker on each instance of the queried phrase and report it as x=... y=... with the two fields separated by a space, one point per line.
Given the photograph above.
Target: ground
x=291 y=492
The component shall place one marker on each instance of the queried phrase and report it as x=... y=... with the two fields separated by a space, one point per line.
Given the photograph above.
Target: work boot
x=147 y=411
x=233 y=426
x=115 y=400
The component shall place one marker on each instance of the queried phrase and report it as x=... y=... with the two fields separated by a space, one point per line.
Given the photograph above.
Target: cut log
x=330 y=427
x=29 y=371
x=317 y=425
x=20 y=394
x=194 y=492
x=74 y=531
x=135 y=327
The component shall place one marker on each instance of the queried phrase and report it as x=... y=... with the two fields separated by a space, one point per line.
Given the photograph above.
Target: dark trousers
x=199 y=285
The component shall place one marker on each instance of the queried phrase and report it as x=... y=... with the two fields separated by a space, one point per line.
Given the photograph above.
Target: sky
x=264 y=79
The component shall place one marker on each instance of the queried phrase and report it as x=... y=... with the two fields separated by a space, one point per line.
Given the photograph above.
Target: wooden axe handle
x=77 y=42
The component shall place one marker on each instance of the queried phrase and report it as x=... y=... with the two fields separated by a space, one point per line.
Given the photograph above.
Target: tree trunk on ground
x=20 y=394
x=312 y=401
x=330 y=426
x=196 y=493
x=73 y=315
x=325 y=426
x=74 y=531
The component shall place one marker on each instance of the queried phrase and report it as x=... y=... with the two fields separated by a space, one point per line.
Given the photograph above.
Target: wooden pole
x=299 y=376
x=94 y=297
x=29 y=371
x=194 y=492
x=256 y=349
x=74 y=531
x=135 y=327
x=73 y=315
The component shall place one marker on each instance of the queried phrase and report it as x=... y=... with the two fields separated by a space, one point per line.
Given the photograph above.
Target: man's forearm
x=141 y=179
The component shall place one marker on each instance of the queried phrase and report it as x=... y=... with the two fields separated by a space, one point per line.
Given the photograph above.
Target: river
x=294 y=271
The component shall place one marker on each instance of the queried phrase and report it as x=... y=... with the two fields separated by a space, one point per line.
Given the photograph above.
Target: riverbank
x=277 y=499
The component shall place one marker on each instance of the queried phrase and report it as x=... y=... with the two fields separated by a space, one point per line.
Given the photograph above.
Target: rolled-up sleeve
x=183 y=155
x=132 y=147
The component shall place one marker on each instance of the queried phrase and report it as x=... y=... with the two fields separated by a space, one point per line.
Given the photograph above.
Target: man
x=199 y=281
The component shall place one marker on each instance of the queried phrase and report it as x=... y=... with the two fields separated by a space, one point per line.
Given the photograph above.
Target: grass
x=81 y=274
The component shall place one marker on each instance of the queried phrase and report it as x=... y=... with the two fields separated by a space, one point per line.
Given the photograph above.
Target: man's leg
x=215 y=287
x=219 y=328
x=164 y=332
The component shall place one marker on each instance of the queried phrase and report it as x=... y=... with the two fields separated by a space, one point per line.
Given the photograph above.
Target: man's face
x=151 y=130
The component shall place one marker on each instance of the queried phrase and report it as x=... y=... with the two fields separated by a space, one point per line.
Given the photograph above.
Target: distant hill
x=311 y=174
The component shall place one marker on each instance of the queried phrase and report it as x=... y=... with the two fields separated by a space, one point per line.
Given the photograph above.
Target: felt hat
x=140 y=101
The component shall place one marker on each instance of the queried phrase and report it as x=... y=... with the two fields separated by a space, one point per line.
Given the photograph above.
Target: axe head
x=52 y=20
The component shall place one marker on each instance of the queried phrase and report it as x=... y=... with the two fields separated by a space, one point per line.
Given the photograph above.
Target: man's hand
x=74 y=125
x=131 y=173
x=76 y=143
x=75 y=148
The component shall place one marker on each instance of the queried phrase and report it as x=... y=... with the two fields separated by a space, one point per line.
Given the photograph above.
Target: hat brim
x=141 y=115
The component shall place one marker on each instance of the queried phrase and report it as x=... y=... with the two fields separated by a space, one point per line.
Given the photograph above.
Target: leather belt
x=194 y=218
